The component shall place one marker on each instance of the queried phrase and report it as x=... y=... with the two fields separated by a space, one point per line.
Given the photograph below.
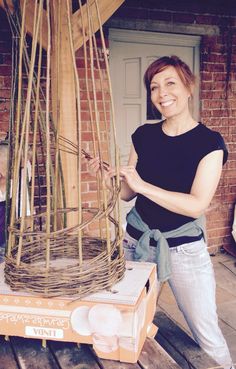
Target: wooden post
x=64 y=101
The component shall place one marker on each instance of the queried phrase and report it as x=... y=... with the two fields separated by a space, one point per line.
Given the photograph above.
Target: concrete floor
x=225 y=272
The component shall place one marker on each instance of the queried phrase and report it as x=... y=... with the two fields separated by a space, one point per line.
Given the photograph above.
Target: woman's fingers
x=94 y=165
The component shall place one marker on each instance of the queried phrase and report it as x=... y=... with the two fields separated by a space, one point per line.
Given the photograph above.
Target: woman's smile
x=167 y=102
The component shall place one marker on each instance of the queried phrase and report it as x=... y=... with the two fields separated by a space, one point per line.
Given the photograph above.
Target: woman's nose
x=162 y=91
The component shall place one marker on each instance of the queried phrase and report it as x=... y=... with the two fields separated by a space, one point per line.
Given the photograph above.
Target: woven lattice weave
x=47 y=255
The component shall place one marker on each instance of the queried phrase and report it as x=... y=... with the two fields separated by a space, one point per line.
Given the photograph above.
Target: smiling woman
x=173 y=171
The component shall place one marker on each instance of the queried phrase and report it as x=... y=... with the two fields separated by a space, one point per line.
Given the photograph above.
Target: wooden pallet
x=172 y=348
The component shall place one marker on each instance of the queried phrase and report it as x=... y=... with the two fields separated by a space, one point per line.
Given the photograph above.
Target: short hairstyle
x=183 y=70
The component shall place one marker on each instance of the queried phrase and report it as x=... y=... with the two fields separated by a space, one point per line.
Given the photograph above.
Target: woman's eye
x=170 y=83
x=153 y=88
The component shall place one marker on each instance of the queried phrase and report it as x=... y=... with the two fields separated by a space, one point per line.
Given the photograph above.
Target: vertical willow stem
x=48 y=220
x=26 y=125
x=35 y=128
x=104 y=190
x=90 y=103
x=17 y=133
x=113 y=122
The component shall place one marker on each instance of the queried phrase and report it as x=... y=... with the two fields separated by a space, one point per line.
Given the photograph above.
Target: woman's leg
x=193 y=284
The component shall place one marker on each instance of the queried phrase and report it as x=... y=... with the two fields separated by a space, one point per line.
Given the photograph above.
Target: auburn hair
x=183 y=70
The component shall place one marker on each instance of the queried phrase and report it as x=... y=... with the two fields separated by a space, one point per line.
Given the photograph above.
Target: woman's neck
x=176 y=126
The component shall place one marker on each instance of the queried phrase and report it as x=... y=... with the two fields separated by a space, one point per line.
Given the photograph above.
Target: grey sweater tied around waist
x=190 y=229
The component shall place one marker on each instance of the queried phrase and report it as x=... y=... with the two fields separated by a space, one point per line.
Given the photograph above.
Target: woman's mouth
x=167 y=103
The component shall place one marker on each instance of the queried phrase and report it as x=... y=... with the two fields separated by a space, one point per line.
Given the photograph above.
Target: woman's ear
x=191 y=92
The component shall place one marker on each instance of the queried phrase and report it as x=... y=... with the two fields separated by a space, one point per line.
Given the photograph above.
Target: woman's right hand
x=94 y=166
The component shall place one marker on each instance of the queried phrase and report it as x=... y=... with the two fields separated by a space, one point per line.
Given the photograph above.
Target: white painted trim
x=147 y=37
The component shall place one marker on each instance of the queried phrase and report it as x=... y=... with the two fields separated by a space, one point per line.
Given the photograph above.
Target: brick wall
x=5 y=73
x=218 y=111
x=216 y=23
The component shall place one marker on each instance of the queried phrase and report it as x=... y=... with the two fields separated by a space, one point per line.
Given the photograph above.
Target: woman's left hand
x=130 y=175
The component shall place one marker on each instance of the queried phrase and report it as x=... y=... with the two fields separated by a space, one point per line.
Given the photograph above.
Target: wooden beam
x=106 y=8
x=29 y=21
x=29 y=18
x=64 y=100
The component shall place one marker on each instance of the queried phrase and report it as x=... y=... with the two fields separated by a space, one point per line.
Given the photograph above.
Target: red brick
x=5 y=70
x=218 y=232
x=92 y=186
x=87 y=136
x=4 y=116
x=219 y=76
x=206 y=76
x=214 y=67
x=214 y=104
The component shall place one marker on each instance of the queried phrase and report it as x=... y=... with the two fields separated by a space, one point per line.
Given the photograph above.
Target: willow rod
x=117 y=163
x=89 y=102
x=35 y=128
x=15 y=171
x=86 y=73
x=48 y=221
x=26 y=129
x=105 y=195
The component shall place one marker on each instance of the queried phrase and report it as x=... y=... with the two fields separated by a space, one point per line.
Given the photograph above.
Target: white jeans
x=193 y=285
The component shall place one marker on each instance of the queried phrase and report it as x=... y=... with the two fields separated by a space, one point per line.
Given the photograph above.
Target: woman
x=173 y=170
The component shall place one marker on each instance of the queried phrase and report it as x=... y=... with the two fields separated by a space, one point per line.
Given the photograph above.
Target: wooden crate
x=116 y=323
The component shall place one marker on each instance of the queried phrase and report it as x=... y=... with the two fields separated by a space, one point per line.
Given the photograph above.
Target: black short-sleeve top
x=170 y=163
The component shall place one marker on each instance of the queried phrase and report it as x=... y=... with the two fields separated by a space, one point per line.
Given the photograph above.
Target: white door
x=130 y=54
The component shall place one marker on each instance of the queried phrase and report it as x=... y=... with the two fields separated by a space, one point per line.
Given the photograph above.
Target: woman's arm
x=194 y=204
x=127 y=192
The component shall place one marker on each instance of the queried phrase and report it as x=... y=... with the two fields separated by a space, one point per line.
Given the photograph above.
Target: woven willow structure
x=48 y=252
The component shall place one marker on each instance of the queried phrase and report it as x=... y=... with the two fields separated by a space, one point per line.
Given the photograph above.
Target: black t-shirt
x=170 y=163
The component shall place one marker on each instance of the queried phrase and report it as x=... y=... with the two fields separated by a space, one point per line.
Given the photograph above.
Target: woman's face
x=169 y=94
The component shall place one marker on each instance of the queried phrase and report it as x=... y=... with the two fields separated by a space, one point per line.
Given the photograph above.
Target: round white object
x=79 y=321
x=104 y=319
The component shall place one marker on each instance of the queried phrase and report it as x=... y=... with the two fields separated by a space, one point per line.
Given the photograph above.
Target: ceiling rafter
x=106 y=7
